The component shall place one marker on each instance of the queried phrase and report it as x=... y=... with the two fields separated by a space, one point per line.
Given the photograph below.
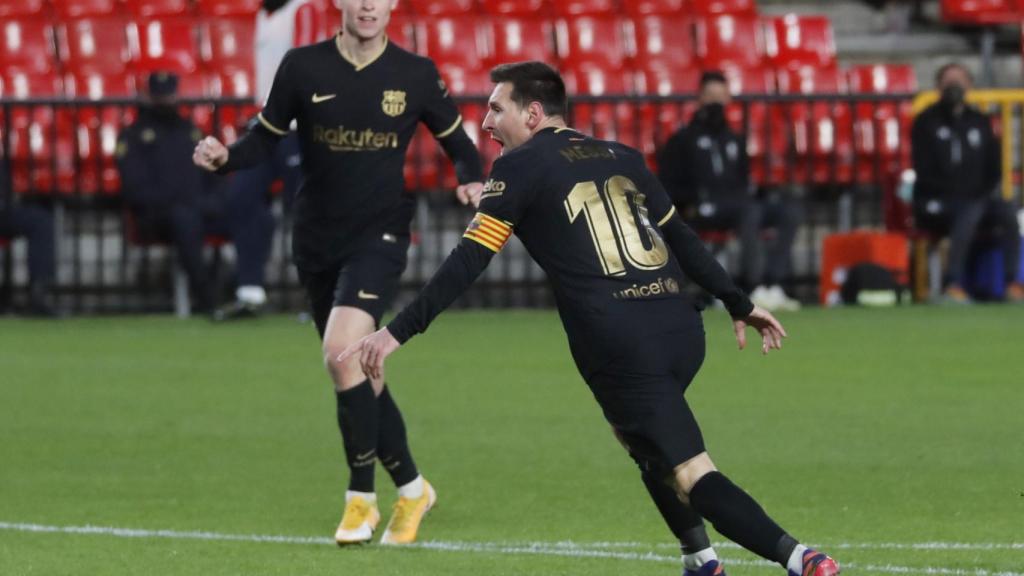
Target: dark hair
x=534 y=82
x=950 y=66
x=711 y=76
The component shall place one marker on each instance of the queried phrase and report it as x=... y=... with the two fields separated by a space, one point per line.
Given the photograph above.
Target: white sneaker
x=764 y=298
x=782 y=301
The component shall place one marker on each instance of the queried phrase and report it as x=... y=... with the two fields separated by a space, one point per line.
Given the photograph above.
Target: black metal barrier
x=840 y=155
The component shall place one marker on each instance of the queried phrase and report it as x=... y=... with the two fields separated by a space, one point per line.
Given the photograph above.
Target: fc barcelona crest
x=394 y=102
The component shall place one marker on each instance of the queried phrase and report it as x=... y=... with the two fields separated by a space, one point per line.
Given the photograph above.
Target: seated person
x=705 y=169
x=36 y=226
x=164 y=192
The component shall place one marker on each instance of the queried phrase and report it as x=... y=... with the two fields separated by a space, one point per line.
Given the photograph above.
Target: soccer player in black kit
x=605 y=231
x=357 y=100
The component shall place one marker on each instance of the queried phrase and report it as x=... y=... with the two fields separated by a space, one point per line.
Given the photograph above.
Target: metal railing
x=841 y=155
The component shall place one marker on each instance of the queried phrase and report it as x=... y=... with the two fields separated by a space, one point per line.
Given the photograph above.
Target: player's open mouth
x=367 y=19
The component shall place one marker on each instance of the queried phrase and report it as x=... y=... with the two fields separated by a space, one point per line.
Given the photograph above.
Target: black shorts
x=641 y=394
x=368 y=280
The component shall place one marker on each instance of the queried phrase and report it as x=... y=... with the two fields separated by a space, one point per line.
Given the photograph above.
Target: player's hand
x=372 y=350
x=761 y=320
x=210 y=154
x=470 y=193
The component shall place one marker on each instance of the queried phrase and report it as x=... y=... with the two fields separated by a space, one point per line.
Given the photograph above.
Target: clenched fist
x=210 y=154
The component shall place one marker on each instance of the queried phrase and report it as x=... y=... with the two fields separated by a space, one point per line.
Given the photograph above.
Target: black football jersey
x=588 y=211
x=355 y=123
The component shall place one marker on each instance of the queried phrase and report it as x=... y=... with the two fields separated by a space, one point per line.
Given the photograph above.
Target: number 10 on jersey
x=616 y=219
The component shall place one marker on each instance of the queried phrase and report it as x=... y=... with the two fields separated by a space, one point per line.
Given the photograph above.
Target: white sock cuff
x=413 y=489
x=370 y=497
x=698 y=559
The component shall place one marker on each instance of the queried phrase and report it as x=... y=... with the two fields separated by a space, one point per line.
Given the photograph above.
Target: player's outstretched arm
x=456 y=274
x=771 y=330
x=210 y=154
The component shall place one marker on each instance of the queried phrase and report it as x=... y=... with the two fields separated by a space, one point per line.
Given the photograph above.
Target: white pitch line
x=924 y=546
x=558 y=549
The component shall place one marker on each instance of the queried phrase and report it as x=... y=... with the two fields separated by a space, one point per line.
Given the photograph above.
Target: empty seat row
x=64 y=9
x=80 y=8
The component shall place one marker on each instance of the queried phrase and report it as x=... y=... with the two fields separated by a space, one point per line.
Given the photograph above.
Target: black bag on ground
x=869 y=284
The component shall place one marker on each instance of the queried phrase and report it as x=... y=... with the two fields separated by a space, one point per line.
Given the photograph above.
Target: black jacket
x=954 y=158
x=704 y=163
x=154 y=156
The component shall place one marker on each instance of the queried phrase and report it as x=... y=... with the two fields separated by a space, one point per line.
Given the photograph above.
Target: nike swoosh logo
x=367 y=296
x=318 y=99
x=364 y=456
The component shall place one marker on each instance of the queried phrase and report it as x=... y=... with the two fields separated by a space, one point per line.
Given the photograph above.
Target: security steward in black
x=168 y=198
x=958 y=161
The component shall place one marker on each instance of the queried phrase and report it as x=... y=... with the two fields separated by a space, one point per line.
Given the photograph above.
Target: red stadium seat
x=882 y=129
x=71 y=9
x=663 y=39
x=822 y=131
x=441 y=7
x=97 y=85
x=518 y=39
x=734 y=7
x=584 y=7
x=228 y=7
x=97 y=44
x=233 y=82
x=39 y=160
x=454 y=39
x=767 y=142
x=724 y=41
x=645 y=7
x=463 y=81
x=150 y=8
x=401 y=31
x=981 y=12
x=600 y=40
x=882 y=79
x=164 y=44
x=590 y=79
x=27 y=45
x=662 y=79
x=797 y=40
x=228 y=42
x=514 y=7
x=97 y=128
x=20 y=8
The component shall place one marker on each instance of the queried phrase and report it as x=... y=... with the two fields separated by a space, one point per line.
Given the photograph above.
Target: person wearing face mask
x=958 y=162
x=706 y=170
x=280 y=26
x=163 y=191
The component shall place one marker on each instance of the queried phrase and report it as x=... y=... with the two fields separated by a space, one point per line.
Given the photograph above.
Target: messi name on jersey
x=341 y=139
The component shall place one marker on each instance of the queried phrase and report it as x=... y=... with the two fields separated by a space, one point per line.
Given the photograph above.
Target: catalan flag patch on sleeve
x=488 y=231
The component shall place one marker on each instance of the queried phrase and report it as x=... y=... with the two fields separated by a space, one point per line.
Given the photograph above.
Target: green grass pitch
x=895 y=439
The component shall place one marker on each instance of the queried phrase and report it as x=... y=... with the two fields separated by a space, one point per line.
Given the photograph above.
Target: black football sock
x=739 y=517
x=684 y=523
x=392 y=444
x=357 y=419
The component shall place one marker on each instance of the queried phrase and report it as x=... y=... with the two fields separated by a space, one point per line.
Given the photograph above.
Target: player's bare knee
x=346 y=374
x=688 y=473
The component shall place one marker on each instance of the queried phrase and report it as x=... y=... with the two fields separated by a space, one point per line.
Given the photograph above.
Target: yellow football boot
x=360 y=520
x=407 y=515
